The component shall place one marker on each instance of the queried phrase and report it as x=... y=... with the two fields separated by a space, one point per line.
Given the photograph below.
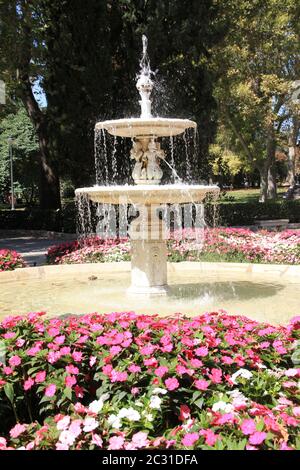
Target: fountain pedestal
x=148 y=253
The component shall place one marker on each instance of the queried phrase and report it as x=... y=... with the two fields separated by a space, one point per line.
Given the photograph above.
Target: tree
x=25 y=153
x=255 y=65
x=21 y=64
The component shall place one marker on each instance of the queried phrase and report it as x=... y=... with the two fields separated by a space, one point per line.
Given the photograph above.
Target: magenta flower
x=201 y=384
x=40 y=377
x=189 y=439
x=28 y=384
x=161 y=371
x=14 y=361
x=171 y=384
x=202 y=352
x=257 y=438
x=248 y=426
x=50 y=390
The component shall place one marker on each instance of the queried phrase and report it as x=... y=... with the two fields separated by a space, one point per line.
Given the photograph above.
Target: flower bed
x=10 y=260
x=229 y=244
x=124 y=381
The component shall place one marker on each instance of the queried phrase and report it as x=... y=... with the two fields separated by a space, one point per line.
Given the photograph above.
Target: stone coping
x=274 y=271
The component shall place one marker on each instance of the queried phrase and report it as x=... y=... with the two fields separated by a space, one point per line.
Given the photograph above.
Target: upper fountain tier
x=146 y=126
x=150 y=127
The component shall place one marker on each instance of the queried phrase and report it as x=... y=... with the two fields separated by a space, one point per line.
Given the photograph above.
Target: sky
x=39 y=94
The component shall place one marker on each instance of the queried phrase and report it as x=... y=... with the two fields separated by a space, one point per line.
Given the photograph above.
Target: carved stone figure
x=154 y=172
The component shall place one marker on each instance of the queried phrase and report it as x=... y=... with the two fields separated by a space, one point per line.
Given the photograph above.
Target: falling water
x=187 y=157
x=114 y=161
x=84 y=216
x=97 y=153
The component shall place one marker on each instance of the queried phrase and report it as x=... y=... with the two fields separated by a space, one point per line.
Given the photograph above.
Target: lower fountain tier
x=148 y=194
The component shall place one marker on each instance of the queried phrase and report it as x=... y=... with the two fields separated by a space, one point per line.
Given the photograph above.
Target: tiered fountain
x=148 y=245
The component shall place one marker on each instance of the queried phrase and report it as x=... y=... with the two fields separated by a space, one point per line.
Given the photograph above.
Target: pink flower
x=296 y=411
x=116 y=443
x=3 y=443
x=171 y=384
x=210 y=437
x=135 y=391
x=28 y=384
x=97 y=440
x=117 y=376
x=50 y=390
x=8 y=370
x=201 y=384
x=216 y=376
x=17 y=430
x=77 y=356
x=202 y=352
x=134 y=368
x=257 y=438
x=70 y=380
x=72 y=369
x=161 y=371
x=75 y=427
x=140 y=440
x=190 y=439
x=248 y=426
x=14 y=361
x=60 y=339
x=40 y=377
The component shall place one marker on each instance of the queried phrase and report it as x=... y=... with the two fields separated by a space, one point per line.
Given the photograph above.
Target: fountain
x=147 y=232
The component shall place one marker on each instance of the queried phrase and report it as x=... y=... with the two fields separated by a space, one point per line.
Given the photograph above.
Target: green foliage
x=25 y=152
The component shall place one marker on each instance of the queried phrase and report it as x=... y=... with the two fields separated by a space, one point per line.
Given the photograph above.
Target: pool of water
x=193 y=293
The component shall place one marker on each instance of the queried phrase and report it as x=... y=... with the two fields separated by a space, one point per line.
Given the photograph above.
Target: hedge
x=224 y=214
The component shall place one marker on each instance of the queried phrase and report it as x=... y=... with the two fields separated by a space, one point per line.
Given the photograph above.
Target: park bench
x=275 y=223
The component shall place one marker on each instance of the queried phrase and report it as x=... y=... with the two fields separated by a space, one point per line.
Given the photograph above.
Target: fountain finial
x=144 y=83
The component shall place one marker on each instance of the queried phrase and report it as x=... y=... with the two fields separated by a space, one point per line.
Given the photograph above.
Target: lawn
x=250 y=195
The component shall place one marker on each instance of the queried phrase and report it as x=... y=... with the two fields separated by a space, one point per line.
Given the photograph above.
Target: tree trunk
x=263 y=185
x=49 y=181
x=292 y=146
x=271 y=164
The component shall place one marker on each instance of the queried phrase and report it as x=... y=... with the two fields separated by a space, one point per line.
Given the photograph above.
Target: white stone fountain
x=147 y=232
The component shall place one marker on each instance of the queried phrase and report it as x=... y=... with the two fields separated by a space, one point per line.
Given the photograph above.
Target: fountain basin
x=269 y=293
x=149 y=194
x=137 y=127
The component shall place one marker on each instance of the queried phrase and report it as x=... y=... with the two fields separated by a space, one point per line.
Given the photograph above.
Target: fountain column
x=148 y=253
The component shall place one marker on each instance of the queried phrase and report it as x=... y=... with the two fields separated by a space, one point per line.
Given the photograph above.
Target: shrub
x=10 y=260
x=128 y=381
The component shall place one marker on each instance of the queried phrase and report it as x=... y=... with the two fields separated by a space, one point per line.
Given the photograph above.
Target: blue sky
x=39 y=94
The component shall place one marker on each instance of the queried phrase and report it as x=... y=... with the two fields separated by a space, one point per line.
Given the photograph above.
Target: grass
x=250 y=195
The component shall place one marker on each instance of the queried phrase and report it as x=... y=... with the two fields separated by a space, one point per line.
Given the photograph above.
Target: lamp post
x=10 y=147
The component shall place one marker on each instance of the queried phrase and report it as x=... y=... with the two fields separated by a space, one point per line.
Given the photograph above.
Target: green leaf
x=9 y=392
x=68 y=393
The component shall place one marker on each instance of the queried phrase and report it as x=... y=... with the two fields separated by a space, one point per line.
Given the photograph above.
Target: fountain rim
x=149 y=194
x=140 y=127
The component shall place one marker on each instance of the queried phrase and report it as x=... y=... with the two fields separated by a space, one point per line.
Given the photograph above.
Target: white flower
x=155 y=402
x=246 y=374
x=222 y=406
x=130 y=413
x=114 y=421
x=97 y=405
x=148 y=416
x=159 y=391
x=261 y=366
x=89 y=424
x=123 y=413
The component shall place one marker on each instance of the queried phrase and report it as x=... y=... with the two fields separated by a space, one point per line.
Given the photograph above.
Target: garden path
x=33 y=249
